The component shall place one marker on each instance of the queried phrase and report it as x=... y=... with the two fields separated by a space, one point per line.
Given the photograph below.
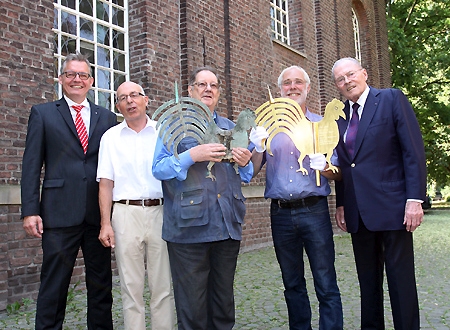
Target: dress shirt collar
x=149 y=123
x=85 y=103
x=361 y=101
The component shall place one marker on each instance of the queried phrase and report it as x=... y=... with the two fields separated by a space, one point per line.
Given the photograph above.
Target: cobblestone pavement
x=259 y=291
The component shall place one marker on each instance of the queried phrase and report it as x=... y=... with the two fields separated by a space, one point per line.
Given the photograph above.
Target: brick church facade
x=162 y=41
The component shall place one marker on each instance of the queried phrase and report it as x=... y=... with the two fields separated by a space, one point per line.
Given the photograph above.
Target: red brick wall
x=26 y=71
x=167 y=40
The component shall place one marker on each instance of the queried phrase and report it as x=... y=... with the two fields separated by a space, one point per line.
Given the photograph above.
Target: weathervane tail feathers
x=279 y=115
x=179 y=118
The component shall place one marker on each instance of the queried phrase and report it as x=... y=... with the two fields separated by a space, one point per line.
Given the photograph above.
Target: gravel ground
x=259 y=290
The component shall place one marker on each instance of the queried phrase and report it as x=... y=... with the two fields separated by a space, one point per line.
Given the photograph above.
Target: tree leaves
x=419 y=32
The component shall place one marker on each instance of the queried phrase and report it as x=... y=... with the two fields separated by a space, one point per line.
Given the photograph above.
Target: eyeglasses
x=349 y=75
x=297 y=82
x=72 y=75
x=202 y=85
x=133 y=96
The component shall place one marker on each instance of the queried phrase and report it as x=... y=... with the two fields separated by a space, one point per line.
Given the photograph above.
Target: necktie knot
x=77 y=108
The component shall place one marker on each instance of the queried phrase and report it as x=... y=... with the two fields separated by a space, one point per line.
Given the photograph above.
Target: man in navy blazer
x=65 y=214
x=379 y=198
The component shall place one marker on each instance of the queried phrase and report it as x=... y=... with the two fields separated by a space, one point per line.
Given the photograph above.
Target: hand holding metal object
x=328 y=132
x=188 y=117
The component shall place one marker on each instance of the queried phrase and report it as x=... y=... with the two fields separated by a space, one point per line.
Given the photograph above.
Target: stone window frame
x=98 y=29
x=356 y=35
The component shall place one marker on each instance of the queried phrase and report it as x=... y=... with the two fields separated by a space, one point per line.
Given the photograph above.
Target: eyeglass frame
x=79 y=74
x=213 y=86
x=132 y=95
x=297 y=82
x=340 y=81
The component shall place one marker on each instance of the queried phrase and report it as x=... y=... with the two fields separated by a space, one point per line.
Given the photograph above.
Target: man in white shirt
x=129 y=190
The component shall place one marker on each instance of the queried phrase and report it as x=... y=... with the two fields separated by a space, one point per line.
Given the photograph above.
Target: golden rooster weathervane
x=283 y=115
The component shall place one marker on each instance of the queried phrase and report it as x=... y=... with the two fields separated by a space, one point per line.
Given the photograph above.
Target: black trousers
x=203 y=277
x=60 y=248
x=394 y=250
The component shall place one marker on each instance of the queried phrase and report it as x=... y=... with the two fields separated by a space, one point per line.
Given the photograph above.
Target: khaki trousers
x=137 y=232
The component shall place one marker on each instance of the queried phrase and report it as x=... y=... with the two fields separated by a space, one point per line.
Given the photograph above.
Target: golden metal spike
x=270 y=95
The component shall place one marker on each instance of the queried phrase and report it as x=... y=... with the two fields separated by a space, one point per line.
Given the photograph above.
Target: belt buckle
x=142 y=202
x=280 y=201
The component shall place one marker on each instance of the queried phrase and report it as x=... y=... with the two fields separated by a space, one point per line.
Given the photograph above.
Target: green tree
x=419 y=32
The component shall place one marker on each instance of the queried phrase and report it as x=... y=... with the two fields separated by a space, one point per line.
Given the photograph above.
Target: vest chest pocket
x=192 y=208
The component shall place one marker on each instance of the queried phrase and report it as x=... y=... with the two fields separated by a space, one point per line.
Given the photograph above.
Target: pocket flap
x=53 y=183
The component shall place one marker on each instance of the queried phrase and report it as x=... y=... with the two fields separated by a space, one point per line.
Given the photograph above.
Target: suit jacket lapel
x=370 y=107
x=95 y=115
x=64 y=110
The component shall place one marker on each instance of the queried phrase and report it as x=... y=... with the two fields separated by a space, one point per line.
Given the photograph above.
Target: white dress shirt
x=85 y=112
x=126 y=158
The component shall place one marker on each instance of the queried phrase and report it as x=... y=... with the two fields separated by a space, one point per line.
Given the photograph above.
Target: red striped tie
x=81 y=128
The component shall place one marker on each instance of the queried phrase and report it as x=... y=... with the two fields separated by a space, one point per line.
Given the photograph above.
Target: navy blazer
x=388 y=165
x=69 y=190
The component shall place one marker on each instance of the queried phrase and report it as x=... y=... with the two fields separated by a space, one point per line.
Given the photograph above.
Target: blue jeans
x=309 y=228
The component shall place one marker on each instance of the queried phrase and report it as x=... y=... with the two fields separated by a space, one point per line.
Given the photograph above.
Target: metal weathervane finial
x=270 y=95
x=176 y=92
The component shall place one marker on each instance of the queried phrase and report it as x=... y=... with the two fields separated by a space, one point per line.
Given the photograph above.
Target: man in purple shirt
x=300 y=218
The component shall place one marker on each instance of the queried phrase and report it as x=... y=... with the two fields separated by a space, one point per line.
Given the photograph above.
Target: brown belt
x=142 y=202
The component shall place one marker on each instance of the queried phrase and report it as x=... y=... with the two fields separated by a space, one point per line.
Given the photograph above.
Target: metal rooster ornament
x=187 y=117
x=283 y=115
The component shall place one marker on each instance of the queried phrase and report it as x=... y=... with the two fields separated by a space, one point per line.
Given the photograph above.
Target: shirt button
x=218 y=195
x=290 y=195
x=353 y=165
x=191 y=202
x=290 y=180
x=292 y=152
x=291 y=167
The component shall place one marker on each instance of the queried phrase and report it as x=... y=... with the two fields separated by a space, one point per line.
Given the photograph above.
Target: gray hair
x=340 y=61
x=76 y=57
x=305 y=74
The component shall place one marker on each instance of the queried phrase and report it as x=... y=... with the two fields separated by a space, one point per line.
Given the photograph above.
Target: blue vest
x=199 y=210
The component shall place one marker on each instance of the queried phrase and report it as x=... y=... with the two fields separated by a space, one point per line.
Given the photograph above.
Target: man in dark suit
x=66 y=213
x=382 y=159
